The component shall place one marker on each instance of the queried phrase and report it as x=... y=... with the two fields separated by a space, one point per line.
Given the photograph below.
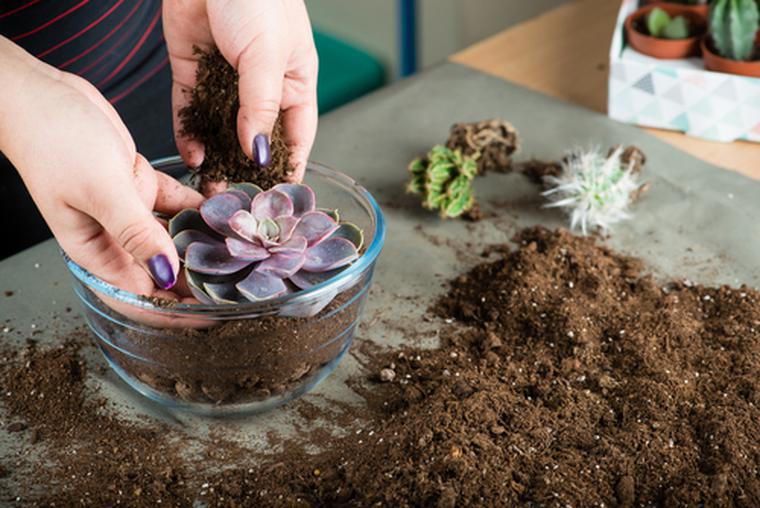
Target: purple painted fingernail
x=162 y=272
x=261 y=152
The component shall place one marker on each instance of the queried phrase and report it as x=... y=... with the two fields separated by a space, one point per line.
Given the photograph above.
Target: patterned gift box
x=679 y=95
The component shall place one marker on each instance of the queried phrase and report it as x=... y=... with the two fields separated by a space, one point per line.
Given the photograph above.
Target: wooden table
x=564 y=54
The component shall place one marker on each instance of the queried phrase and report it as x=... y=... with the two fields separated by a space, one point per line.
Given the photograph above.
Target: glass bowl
x=237 y=358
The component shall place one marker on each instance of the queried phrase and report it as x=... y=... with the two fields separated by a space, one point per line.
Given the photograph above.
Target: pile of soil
x=211 y=118
x=565 y=376
x=238 y=361
x=578 y=381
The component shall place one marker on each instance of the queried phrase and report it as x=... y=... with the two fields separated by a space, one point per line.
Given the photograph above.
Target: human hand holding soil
x=269 y=43
x=81 y=167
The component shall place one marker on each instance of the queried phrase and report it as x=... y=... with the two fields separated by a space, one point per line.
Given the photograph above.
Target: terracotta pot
x=668 y=49
x=716 y=63
x=702 y=10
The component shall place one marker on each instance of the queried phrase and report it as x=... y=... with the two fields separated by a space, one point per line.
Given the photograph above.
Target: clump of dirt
x=494 y=140
x=565 y=376
x=537 y=170
x=211 y=118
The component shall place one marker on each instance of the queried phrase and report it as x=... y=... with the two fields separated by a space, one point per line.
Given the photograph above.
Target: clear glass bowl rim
x=362 y=264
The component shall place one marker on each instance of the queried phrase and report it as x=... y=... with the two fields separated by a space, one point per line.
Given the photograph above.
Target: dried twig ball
x=496 y=140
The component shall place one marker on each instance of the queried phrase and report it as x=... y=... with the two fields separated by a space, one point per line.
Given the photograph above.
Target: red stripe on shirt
x=85 y=29
x=146 y=77
x=19 y=8
x=48 y=23
x=104 y=39
x=134 y=50
x=126 y=36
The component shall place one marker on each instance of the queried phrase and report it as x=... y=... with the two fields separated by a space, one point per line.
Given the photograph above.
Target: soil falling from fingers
x=211 y=118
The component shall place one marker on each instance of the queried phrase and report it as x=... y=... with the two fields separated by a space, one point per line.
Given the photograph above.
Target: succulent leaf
x=195 y=282
x=246 y=250
x=302 y=196
x=286 y=223
x=330 y=254
x=222 y=293
x=217 y=211
x=261 y=286
x=271 y=204
x=281 y=265
x=189 y=218
x=315 y=227
x=334 y=214
x=657 y=20
x=268 y=232
x=188 y=236
x=212 y=259
x=306 y=280
x=244 y=224
x=678 y=28
x=296 y=245
x=248 y=188
x=242 y=196
x=350 y=232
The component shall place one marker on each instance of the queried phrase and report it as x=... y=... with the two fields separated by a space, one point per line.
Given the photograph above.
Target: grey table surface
x=698 y=222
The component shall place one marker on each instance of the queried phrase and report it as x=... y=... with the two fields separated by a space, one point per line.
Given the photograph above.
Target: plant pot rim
x=710 y=56
x=676 y=48
x=364 y=263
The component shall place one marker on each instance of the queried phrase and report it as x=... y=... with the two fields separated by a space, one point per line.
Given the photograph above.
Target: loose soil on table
x=565 y=376
x=211 y=118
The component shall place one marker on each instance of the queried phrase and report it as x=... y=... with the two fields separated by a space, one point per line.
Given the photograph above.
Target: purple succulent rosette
x=247 y=244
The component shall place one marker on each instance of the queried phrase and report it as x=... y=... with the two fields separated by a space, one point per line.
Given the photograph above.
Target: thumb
x=132 y=225
x=262 y=71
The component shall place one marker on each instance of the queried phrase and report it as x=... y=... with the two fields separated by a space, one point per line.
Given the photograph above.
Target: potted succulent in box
x=701 y=7
x=666 y=31
x=732 y=45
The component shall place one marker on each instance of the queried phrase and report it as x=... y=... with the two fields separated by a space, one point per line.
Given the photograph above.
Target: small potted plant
x=732 y=45
x=665 y=31
x=701 y=7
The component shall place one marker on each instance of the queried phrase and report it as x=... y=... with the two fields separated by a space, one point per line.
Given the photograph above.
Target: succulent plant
x=596 y=189
x=444 y=178
x=733 y=27
x=246 y=244
x=493 y=141
x=661 y=25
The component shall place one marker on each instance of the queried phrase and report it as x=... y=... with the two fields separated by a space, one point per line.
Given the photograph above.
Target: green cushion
x=345 y=72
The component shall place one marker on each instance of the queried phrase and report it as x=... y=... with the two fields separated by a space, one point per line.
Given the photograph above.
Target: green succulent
x=661 y=25
x=444 y=179
x=733 y=26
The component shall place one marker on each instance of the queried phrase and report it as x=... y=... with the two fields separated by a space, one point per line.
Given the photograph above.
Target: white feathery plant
x=594 y=189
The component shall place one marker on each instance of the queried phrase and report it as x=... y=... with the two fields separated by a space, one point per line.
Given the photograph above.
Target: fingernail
x=261 y=152
x=161 y=271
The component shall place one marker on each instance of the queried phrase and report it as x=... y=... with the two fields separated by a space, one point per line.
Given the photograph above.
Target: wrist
x=17 y=69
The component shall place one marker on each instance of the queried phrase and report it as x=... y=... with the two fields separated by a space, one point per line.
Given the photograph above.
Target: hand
x=270 y=44
x=80 y=165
